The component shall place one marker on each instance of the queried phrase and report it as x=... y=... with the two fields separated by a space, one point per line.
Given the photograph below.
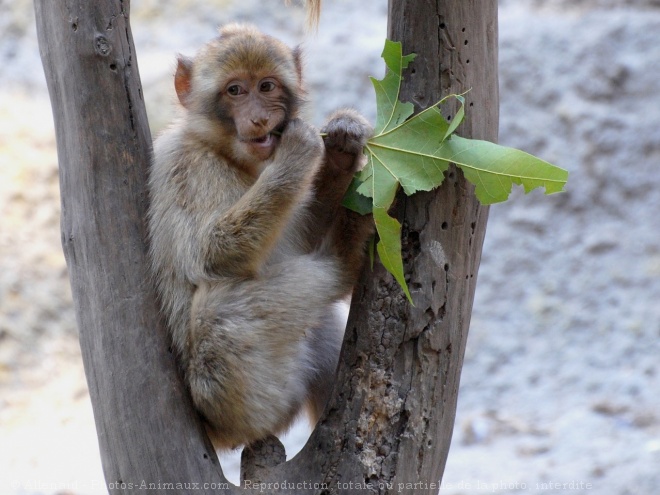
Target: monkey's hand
x=346 y=134
x=300 y=146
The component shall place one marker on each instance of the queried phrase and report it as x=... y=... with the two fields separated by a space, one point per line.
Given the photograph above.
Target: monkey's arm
x=331 y=227
x=243 y=237
x=346 y=134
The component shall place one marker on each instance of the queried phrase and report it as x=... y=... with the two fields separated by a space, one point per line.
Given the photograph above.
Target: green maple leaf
x=390 y=111
x=415 y=151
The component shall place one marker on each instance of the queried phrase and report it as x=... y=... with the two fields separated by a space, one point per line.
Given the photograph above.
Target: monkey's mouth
x=262 y=147
x=263 y=141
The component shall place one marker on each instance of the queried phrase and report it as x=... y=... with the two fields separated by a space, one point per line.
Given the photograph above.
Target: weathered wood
x=392 y=417
x=458 y=52
x=147 y=429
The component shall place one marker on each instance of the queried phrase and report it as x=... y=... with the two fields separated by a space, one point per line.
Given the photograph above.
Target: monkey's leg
x=252 y=346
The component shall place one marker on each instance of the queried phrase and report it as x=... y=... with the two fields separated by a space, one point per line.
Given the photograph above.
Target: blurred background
x=561 y=382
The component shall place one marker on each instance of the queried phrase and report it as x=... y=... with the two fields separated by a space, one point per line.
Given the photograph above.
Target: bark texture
x=390 y=423
x=147 y=429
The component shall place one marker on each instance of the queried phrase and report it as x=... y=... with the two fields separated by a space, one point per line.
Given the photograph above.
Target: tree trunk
x=389 y=425
x=147 y=429
x=392 y=415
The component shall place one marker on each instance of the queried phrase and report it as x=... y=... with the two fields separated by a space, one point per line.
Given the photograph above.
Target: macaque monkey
x=250 y=246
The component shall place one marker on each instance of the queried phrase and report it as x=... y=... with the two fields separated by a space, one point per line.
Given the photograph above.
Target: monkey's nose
x=260 y=121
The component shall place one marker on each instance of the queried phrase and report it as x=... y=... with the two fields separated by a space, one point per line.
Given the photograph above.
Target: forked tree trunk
x=391 y=419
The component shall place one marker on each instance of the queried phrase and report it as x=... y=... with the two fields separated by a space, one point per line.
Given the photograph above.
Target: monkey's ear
x=297 y=61
x=182 y=79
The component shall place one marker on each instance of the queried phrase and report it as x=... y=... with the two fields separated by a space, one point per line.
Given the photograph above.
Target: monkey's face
x=240 y=91
x=258 y=106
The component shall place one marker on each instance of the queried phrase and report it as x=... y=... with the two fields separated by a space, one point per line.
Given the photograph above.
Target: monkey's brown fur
x=250 y=246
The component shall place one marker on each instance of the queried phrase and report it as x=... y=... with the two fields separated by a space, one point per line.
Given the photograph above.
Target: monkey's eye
x=234 y=90
x=267 y=86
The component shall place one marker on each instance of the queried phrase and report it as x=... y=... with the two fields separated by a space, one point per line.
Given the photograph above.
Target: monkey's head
x=240 y=91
